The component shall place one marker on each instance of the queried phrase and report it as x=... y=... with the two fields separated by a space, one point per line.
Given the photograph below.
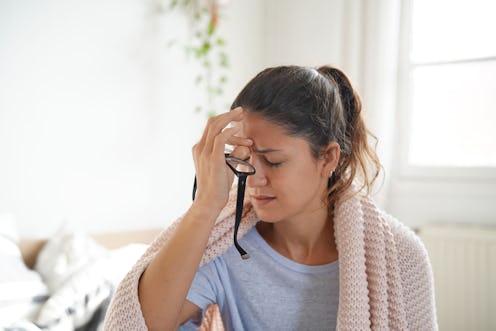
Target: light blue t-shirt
x=268 y=291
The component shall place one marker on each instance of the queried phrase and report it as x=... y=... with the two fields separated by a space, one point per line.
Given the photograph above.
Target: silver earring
x=330 y=173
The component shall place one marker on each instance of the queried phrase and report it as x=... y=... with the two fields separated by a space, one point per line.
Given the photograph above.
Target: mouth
x=261 y=200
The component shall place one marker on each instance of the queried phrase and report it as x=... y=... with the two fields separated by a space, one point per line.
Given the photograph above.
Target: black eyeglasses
x=241 y=169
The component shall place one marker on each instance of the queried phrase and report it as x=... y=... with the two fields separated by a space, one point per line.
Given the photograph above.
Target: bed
x=64 y=282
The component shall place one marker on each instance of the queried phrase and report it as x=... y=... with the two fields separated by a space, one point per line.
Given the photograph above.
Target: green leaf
x=211 y=28
x=206 y=47
x=223 y=60
x=196 y=51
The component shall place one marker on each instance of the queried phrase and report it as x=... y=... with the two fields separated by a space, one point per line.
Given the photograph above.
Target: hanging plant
x=206 y=47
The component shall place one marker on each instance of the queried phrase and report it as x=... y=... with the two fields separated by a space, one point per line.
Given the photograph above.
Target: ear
x=330 y=158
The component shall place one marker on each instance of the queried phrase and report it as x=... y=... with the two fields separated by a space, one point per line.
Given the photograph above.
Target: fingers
x=241 y=152
x=235 y=141
x=216 y=135
x=216 y=124
x=220 y=140
x=214 y=179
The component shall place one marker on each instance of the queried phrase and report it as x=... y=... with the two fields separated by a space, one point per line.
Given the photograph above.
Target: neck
x=308 y=241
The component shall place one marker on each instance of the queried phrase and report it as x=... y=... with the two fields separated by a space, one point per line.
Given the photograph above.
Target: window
x=445 y=169
x=448 y=86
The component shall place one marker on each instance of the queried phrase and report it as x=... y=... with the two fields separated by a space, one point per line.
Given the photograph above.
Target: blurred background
x=101 y=102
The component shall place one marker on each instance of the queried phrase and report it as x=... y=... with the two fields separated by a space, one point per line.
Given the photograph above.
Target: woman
x=322 y=256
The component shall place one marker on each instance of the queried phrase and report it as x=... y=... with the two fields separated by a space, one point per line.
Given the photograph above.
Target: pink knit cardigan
x=385 y=277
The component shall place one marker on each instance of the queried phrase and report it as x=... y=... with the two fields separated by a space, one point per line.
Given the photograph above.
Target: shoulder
x=416 y=274
x=403 y=238
x=404 y=235
x=410 y=254
x=407 y=243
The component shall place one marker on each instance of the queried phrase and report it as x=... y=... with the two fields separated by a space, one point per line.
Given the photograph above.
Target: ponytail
x=358 y=163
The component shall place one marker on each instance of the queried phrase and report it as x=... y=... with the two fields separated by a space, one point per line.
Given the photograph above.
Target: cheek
x=295 y=181
x=302 y=186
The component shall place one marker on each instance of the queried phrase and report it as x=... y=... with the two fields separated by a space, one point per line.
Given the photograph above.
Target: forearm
x=165 y=283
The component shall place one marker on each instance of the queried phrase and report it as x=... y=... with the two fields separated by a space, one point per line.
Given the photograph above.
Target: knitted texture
x=385 y=277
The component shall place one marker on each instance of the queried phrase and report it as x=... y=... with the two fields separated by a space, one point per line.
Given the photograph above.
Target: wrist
x=204 y=212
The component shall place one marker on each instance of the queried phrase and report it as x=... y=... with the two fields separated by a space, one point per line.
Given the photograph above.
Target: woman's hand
x=162 y=288
x=214 y=178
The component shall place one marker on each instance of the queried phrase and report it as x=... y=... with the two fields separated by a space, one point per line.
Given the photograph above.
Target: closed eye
x=266 y=161
x=272 y=164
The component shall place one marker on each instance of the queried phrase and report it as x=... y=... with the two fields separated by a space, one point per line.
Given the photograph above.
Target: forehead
x=268 y=135
x=256 y=124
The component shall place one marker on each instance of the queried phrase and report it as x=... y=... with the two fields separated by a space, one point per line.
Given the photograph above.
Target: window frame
x=406 y=67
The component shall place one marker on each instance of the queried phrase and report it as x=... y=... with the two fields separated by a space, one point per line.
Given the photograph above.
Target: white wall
x=96 y=113
x=308 y=33
x=104 y=138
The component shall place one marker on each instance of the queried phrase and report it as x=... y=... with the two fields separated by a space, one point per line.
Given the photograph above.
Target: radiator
x=464 y=264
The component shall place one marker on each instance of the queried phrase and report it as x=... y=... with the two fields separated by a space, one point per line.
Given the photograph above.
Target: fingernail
x=238 y=109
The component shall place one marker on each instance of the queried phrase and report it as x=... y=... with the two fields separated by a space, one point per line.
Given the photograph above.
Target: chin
x=270 y=212
x=268 y=217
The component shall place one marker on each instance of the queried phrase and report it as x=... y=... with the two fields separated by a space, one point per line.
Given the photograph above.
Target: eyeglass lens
x=239 y=166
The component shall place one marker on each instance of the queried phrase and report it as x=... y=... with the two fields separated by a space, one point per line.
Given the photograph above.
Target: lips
x=262 y=199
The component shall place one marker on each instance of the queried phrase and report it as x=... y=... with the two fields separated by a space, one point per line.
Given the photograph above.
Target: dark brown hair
x=319 y=105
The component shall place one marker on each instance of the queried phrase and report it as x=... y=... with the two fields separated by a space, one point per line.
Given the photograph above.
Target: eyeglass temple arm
x=194 y=189
x=239 y=213
x=239 y=210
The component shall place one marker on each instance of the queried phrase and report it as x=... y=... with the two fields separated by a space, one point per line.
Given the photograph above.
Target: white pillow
x=22 y=290
x=67 y=252
x=74 y=303
x=73 y=265
x=81 y=276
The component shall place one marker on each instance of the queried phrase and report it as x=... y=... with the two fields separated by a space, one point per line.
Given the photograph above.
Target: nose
x=258 y=178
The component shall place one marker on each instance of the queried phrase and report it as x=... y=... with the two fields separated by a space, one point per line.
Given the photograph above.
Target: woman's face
x=289 y=182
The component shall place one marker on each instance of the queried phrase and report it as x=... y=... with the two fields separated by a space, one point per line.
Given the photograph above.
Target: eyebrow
x=265 y=151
